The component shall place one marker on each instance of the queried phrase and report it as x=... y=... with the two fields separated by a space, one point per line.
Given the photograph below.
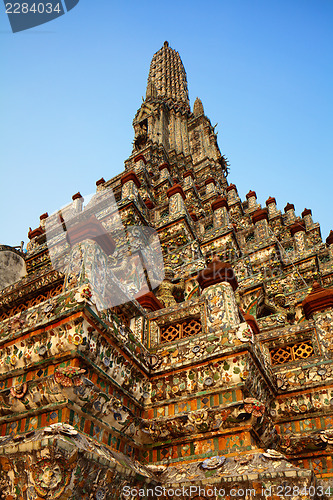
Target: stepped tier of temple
x=168 y=334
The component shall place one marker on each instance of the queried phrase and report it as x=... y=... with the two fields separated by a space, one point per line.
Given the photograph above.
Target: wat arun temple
x=166 y=339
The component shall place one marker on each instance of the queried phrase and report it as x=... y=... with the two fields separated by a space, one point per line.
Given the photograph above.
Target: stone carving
x=50 y=478
x=167 y=290
x=69 y=376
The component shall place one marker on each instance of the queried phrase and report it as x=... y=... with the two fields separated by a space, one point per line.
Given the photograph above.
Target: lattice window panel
x=303 y=350
x=285 y=354
x=32 y=302
x=180 y=330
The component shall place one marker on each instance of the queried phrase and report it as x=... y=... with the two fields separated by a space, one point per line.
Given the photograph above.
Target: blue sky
x=71 y=88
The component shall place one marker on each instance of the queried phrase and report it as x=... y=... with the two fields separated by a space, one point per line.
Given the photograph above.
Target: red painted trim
x=270 y=200
x=318 y=300
x=149 y=204
x=130 y=176
x=76 y=196
x=35 y=232
x=217 y=272
x=163 y=166
x=140 y=157
x=219 y=203
x=297 y=227
x=231 y=187
x=289 y=206
x=91 y=229
x=149 y=301
x=100 y=181
x=210 y=180
x=250 y=194
x=259 y=215
x=176 y=188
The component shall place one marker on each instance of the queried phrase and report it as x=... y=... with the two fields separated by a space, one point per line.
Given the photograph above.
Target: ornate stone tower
x=212 y=379
x=166 y=130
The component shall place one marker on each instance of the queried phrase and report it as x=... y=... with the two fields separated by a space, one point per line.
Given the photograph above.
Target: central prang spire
x=167 y=77
x=167 y=132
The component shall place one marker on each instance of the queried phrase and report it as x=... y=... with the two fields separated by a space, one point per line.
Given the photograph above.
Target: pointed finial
x=198 y=107
x=167 y=77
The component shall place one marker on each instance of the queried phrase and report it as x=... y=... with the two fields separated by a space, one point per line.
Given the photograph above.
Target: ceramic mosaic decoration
x=205 y=373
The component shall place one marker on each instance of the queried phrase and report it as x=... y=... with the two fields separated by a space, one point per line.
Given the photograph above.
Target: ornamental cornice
x=19 y=292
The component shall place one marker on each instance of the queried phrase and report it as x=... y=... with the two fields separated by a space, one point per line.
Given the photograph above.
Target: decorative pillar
x=99 y=184
x=210 y=185
x=307 y=217
x=271 y=207
x=290 y=213
x=176 y=197
x=319 y=299
x=220 y=208
x=188 y=179
x=90 y=246
x=251 y=200
x=234 y=201
x=252 y=322
x=42 y=219
x=298 y=232
x=260 y=220
x=218 y=283
x=130 y=184
x=165 y=171
x=149 y=203
x=150 y=302
x=232 y=194
x=77 y=202
x=140 y=162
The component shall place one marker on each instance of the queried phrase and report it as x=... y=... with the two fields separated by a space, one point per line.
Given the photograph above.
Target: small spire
x=289 y=206
x=198 y=107
x=167 y=77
